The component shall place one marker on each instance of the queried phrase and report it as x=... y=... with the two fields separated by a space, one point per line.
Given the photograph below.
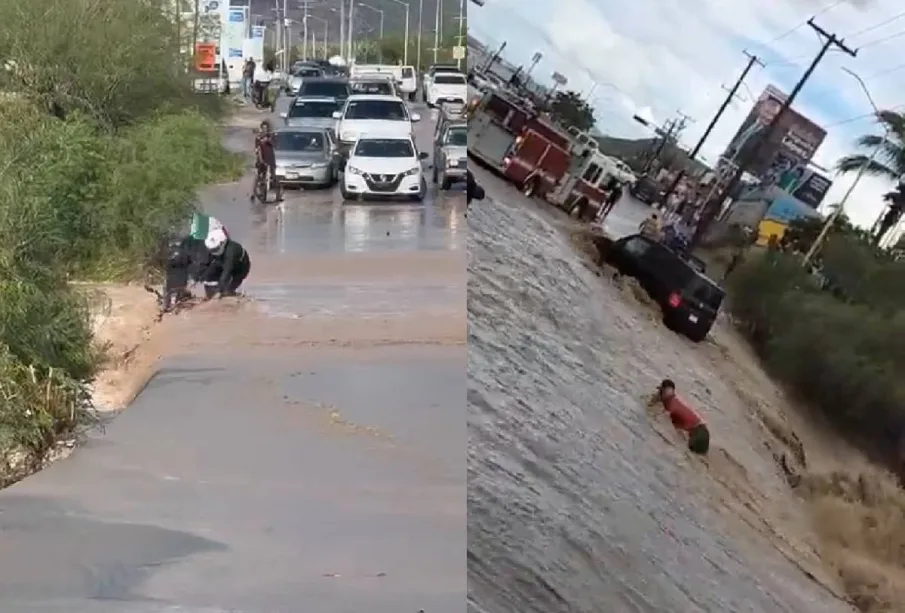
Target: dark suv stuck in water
x=688 y=298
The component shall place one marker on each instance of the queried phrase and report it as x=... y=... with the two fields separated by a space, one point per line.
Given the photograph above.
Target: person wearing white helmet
x=233 y=263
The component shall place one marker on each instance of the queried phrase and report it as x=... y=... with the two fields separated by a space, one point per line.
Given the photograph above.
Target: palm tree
x=888 y=163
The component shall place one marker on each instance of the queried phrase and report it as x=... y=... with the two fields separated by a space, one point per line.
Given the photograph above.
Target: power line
x=792 y=31
x=880 y=41
x=877 y=26
x=713 y=207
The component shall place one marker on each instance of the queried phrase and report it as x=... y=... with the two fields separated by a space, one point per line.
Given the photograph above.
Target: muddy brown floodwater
x=301 y=449
x=580 y=499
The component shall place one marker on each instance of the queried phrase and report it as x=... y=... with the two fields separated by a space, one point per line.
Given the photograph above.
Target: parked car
x=647 y=190
x=299 y=74
x=384 y=167
x=305 y=157
x=325 y=87
x=690 y=300
x=383 y=85
x=434 y=70
x=312 y=112
x=373 y=115
x=446 y=87
x=450 y=153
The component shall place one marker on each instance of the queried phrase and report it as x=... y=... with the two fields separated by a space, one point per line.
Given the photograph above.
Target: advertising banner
x=233 y=40
x=206 y=57
x=254 y=46
x=793 y=144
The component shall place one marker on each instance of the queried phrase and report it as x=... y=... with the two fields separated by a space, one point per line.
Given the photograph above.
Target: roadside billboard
x=233 y=41
x=792 y=145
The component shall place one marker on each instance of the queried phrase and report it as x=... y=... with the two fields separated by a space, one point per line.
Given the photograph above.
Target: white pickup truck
x=446 y=87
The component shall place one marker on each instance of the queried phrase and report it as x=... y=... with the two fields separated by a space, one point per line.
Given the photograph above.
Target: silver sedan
x=305 y=157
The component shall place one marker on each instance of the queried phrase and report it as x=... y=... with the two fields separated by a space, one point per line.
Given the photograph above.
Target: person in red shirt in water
x=683 y=417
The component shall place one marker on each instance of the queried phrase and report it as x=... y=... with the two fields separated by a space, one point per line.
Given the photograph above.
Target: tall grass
x=102 y=149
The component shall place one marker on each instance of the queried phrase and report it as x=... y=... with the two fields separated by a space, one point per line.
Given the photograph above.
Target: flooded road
x=580 y=500
x=301 y=449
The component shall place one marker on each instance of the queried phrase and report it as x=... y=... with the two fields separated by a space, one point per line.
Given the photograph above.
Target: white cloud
x=666 y=56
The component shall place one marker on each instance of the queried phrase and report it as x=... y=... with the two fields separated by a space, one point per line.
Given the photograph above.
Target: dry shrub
x=860 y=520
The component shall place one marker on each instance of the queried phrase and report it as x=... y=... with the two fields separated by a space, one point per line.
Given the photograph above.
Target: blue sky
x=658 y=57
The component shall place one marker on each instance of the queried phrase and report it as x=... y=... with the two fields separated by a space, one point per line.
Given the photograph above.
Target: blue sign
x=257 y=32
x=236 y=16
x=235 y=53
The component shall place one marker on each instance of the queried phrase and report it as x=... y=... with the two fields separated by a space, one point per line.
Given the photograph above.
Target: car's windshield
x=299 y=141
x=381 y=88
x=390 y=110
x=327 y=89
x=384 y=148
x=457 y=137
x=319 y=109
x=449 y=79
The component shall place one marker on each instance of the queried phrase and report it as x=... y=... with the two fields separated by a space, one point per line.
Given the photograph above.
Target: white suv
x=384 y=166
x=446 y=87
x=374 y=115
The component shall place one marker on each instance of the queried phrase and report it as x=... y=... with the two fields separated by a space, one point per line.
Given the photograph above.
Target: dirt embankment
x=855 y=510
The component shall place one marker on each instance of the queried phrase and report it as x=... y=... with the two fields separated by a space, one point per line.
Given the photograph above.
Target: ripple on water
x=573 y=505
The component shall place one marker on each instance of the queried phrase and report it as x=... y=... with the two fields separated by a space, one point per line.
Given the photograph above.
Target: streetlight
x=420 y=29
x=437 y=26
x=351 y=28
x=831 y=218
x=326 y=34
x=380 y=45
x=405 y=52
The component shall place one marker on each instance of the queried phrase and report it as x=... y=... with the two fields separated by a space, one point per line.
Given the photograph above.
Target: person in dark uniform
x=232 y=262
x=472 y=189
x=188 y=260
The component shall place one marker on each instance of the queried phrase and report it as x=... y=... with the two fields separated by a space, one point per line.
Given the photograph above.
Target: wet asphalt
x=303 y=478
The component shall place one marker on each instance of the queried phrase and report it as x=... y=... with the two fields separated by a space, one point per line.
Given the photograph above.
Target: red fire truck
x=508 y=135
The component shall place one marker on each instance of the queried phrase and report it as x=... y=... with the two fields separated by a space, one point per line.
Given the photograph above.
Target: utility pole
x=342 y=28
x=667 y=131
x=493 y=58
x=752 y=60
x=437 y=29
x=712 y=208
x=420 y=30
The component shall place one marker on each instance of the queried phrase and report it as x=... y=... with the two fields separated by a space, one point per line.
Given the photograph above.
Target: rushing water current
x=575 y=504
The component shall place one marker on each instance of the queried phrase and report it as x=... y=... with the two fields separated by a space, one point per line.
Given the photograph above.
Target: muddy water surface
x=579 y=499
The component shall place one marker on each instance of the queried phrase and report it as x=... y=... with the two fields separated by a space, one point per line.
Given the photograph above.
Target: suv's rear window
x=326 y=89
x=704 y=291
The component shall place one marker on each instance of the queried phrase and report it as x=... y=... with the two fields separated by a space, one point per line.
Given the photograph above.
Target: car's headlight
x=319 y=165
x=353 y=171
x=347 y=136
x=411 y=172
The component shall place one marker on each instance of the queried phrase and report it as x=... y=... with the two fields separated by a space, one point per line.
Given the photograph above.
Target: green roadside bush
x=102 y=149
x=840 y=351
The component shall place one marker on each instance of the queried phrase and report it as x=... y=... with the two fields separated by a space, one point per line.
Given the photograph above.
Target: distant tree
x=895 y=207
x=888 y=163
x=572 y=110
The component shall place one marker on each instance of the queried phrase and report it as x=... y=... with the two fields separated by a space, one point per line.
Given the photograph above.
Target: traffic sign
x=458 y=52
